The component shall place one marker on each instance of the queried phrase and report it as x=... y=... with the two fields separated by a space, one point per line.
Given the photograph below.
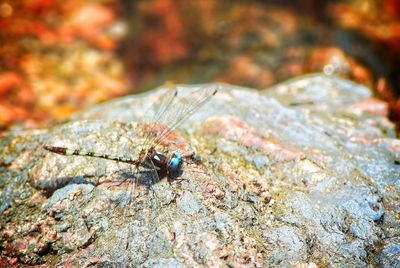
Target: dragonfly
x=171 y=112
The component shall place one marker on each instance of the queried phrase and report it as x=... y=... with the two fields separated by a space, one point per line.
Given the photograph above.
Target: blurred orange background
x=58 y=57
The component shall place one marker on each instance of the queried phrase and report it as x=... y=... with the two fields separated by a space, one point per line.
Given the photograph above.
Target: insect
x=171 y=112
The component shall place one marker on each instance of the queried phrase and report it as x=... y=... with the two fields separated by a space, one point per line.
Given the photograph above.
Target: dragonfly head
x=175 y=162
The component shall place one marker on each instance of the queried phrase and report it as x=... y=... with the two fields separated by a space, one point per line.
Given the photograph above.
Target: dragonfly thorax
x=167 y=164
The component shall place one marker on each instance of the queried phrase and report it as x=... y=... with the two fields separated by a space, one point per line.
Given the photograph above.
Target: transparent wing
x=146 y=175
x=160 y=108
x=180 y=108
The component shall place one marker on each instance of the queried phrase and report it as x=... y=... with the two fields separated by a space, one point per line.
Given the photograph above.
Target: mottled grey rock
x=298 y=173
x=187 y=203
x=68 y=190
x=390 y=253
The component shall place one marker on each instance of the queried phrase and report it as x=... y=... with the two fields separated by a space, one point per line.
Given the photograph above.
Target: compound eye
x=174 y=164
x=178 y=156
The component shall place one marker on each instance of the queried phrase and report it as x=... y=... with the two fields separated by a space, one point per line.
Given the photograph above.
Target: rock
x=295 y=175
x=389 y=255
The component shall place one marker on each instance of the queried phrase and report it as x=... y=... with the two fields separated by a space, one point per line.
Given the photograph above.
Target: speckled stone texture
x=303 y=174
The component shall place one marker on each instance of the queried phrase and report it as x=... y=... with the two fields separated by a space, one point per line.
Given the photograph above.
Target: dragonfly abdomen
x=70 y=152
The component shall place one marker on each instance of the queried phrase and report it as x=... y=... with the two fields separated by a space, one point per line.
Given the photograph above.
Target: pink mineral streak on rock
x=235 y=130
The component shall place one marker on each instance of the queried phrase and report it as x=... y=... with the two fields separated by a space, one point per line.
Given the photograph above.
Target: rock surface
x=303 y=174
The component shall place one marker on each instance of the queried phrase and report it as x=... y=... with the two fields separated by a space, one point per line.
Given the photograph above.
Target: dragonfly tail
x=69 y=152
